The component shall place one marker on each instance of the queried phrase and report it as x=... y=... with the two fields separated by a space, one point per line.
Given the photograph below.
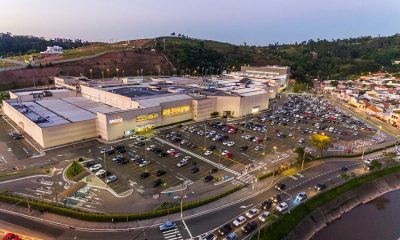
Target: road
x=328 y=173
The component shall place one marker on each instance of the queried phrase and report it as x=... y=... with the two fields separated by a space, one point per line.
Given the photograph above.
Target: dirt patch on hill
x=128 y=62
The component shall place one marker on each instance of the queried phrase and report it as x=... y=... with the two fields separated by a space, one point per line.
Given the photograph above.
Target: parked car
x=144 y=163
x=208 y=236
x=211 y=148
x=157 y=183
x=208 y=152
x=213 y=170
x=225 y=229
x=301 y=197
x=263 y=217
x=194 y=170
x=281 y=207
x=249 y=227
x=231 y=236
x=167 y=226
x=182 y=163
x=243 y=148
x=280 y=187
x=144 y=175
x=320 y=187
x=95 y=167
x=239 y=221
x=11 y=236
x=266 y=204
x=160 y=173
x=111 y=179
x=252 y=212
x=100 y=172
x=208 y=178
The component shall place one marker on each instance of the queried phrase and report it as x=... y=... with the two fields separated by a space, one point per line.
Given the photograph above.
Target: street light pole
x=265 y=139
x=205 y=136
x=273 y=164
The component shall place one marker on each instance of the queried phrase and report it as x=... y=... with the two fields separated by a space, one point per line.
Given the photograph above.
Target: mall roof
x=135 y=92
x=157 y=100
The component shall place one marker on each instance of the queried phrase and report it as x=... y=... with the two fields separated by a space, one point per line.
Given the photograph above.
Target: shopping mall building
x=80 y=109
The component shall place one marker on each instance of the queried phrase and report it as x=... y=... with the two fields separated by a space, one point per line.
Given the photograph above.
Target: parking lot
x=229 y=148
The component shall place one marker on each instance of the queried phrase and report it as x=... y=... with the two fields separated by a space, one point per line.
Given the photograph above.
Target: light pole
x=102 y=75
x=205 y=136
x=91 y=70
x=117 y=71
x=304 y=157
x=108 y=73
x=123 y=73
x=273 y=164
x=182 y=199
x=265 y=139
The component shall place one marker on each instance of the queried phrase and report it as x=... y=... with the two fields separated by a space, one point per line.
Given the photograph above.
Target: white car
x=111 y=179
x=230 y=144
x=182 y=163
x=301 y=197
x=144 y=163
x=171 y=151
x=178 y=155
x=207 y=153
x=263 y=217
x=104 y=150
x=258 y=148
x=133 y=137
x=252 y=213
x=187 y=158
x=282 y=207
x=95 y=167
x=150 y=147
x=100 y=172
x=301 y=140
x=239 y=221
x=225 y=143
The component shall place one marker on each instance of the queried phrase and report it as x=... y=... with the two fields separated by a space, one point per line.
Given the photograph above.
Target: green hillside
x=323 y=59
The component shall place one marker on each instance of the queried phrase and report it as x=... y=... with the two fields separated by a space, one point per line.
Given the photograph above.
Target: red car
x=11 y=236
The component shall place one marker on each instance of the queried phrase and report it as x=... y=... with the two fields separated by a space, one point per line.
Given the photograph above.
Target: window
x=176 y=110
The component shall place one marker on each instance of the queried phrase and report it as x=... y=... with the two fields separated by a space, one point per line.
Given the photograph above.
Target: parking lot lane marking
x=187 y=229
x=293 y=177
x=198 y=156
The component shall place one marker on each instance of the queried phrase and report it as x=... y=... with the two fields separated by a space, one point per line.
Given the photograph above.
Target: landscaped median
x=284 y=225
x=98 y=217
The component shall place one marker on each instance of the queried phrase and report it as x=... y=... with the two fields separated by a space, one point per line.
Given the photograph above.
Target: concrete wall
x=25 y=123
x=202 y=108
x=56 y=95
x=109 y=98
x=228 y=103
x=247 y=104
x=72 y=132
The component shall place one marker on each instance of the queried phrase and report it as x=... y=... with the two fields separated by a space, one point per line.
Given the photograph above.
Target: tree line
x=25 y=44
x=321 y=59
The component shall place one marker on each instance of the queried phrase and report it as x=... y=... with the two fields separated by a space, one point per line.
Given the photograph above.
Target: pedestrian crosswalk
x=296 y=176
x=376 y=157
x=245 y=178
x=173 y=234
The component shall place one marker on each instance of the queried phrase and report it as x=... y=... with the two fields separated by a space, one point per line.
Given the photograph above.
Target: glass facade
x=176 y=110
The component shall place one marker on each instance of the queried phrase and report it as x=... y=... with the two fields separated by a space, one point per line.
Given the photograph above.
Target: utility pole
x=164 y=44
x=205 y=136
x=304 y=157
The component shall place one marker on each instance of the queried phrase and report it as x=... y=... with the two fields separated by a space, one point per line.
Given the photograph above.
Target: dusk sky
x=258 y=22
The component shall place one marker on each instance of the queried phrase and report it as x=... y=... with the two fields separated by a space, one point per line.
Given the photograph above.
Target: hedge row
x=76 y=213
x=283 y=226
x=355 y=154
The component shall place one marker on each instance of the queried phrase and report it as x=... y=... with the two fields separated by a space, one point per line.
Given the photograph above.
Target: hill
x=323 y=59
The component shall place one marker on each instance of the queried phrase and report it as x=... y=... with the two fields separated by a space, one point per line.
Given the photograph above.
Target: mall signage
x=116 y=120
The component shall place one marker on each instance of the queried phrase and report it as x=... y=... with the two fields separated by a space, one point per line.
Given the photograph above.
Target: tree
x=334 y=83
x=390 y=159
x=173 y=34
x=321 y=142
x=300 y=154
x=214 y=114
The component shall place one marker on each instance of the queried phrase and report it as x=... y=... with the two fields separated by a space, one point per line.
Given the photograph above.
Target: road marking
x=187 y=229
x=293 y=177
x=244 y=206
x=173 y=234
x=198 y=156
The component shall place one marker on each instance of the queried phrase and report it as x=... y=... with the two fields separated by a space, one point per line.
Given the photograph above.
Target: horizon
x=220 y=21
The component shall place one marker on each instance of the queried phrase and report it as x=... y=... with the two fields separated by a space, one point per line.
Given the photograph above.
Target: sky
x=256 y=22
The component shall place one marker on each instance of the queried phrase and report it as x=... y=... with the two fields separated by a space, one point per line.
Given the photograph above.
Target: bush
x=214 y=114
x=74 y=169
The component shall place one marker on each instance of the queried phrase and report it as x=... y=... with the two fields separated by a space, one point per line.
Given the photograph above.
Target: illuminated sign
x=176 y=110
x=116 y=120
x=148 y=117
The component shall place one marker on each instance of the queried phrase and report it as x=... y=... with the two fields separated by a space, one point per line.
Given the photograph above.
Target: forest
x=11 y=45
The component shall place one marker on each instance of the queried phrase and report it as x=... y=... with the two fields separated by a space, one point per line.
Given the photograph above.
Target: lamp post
x=108 y=73
x=117 y=71
x=102 y=75
x=205 y=136
x=273 y=164
x=265 y=139
x=123 y=73
x=91 y=70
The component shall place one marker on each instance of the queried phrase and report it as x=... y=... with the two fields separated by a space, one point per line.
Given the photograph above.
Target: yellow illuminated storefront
x=176 y=110
x=148 y=117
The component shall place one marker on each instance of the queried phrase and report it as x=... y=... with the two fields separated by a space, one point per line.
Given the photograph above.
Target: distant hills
x=322 y=59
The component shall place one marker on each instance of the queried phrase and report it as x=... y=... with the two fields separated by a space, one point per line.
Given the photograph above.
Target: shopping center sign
x=116 y=120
